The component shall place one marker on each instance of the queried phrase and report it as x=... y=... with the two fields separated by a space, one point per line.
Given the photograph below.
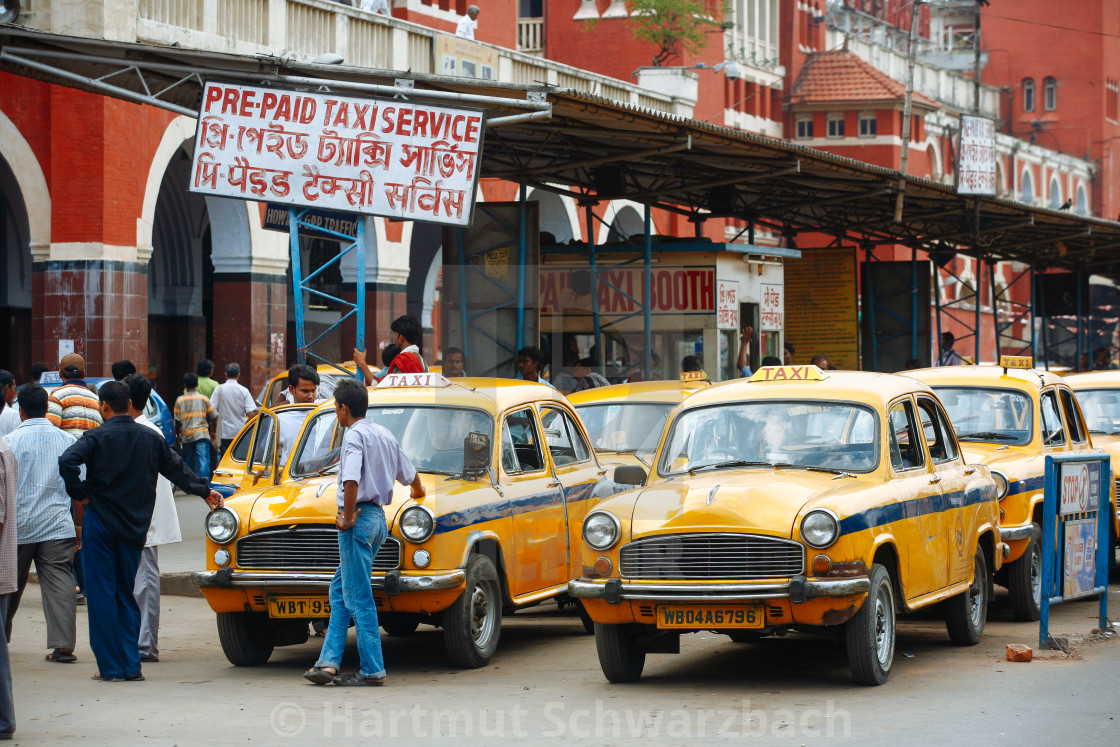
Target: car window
x=624 y=426
x=240 y=448
x=1001 y=416
x=1052 y=433
x=1073 y=418
x=938 y=435
x=433 y=438
x=1101 y=408
x=565 y=442
x=906 y=448
x=320 y=447
x=262 y=449
x=521 y=444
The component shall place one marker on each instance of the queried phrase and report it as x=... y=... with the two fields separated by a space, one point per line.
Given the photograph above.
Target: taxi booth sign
x=392 y=381
x=1075 y=543
x=788 y=373
x=1022 y=362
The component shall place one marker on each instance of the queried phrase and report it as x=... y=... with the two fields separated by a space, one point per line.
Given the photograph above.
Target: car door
x=1074 y=421
x=953 y=473
x=537 y=556
x=575 y=469
x=920 y=492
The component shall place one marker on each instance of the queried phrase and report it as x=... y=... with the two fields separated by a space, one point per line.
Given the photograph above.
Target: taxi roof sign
x=788 y=373
x=687 y=376
x=1016 y=361
x=397 y=380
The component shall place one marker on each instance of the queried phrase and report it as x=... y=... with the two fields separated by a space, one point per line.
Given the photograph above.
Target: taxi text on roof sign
x=693 y=376
x=413 y=379
x=788 y=373
x=1016 y=361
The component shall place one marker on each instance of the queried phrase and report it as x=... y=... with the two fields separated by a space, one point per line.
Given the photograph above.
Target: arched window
x=1026 y=188
x=1055 y=193
x=1050 y=94
x=1028 y=94
x=1082 y=205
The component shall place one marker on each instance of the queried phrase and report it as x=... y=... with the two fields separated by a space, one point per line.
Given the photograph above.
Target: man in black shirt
x=123 y=460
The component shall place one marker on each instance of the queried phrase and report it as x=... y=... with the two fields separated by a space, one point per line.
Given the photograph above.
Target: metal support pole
x=647 y=292
x=590 y=216
x=870 y=291
x=360 y=298
x=1080 y=317
x=913 y=302
x=297 y=282
x=937 y=305
x=979 y=287
x=1034 y=299
x=995 y=306
x=521 y=240
x=464 y=324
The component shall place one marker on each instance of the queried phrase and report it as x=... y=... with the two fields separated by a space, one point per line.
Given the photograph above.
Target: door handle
x=602 y=472
x=970 y=471
x=223 y=474
x=934 y=480
x=553 y=485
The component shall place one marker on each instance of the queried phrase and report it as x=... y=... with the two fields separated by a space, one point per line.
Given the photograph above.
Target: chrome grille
x=711 y=556
x=304 y=549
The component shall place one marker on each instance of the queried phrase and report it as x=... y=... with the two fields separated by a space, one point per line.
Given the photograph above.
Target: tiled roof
x=840 y=76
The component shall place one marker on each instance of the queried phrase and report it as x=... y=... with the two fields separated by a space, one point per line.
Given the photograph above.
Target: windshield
x=432 y=437
x=805 y=434
x=1101 y=408
x=1003 y=416
x=319 y=450
x=624 y=427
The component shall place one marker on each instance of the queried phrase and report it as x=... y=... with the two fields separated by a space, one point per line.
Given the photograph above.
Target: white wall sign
x=727 y=304
x=976 y=160
x=338 y=152
x=772 y=313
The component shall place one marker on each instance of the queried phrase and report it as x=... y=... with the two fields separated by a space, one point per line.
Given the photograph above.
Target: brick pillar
x=102 y=305
x=250 y=323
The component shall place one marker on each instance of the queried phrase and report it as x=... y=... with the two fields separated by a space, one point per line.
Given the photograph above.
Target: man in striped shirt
x=195 y=421
x=72 y=406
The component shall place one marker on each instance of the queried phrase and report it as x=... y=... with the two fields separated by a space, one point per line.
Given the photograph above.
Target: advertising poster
x=1080 y=558
x=465 y=58
x=1079 y=487
x=822 y=308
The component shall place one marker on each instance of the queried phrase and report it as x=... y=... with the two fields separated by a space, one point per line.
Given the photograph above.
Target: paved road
x=545 y=685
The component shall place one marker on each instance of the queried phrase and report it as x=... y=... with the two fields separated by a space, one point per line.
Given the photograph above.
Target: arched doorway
x=15 y=288
x=180 y=280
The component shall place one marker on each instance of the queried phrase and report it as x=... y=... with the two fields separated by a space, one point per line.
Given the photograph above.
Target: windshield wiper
x=324 y=470
x=732 y=463
x=987 y=436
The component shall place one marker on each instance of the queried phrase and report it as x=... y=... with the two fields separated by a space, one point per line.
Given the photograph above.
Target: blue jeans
x=352 y=596
x=114 y=618
x=197 y=456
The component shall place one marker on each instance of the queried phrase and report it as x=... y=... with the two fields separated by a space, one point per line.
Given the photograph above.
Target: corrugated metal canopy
x=598 y=149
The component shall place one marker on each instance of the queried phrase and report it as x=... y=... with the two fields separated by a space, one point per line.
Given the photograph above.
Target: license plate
x=738 y=616
x=299 y=607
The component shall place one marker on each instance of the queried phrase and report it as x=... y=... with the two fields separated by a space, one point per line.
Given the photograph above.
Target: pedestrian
x=788 y=351
x=454 y=363
x=72 y=405
x=122 y=460
x=468 y=24
x=37 y=371
x=120 y=369
x=303 y=389
x=9 y=415
x=770 y=361
x=529 y=362
x=206 y=385
x=46 y=533
x=691 y=364
x=744 y=361
x=586 y=378
x=195 y=425
x=380 y=7
x=164 y=530
x=949 y=357
x=303 y=386
x=820 y=360
x=235 y=406
x=388 y=353
x=9 y=477
x=370 y=461
x=406 y=333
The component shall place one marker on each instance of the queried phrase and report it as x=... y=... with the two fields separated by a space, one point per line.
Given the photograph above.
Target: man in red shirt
x=406 y=333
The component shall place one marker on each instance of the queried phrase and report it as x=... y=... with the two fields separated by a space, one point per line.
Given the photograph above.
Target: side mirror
x=476 y=453
x=629 y=474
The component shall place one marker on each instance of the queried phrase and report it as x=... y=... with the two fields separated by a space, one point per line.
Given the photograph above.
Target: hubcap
x=1036 y=577
x=884 y=631
x=976 y=600
x=482 y=616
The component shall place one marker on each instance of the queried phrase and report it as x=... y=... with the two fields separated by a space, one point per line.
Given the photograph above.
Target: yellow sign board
x=822 y=305
x=788 y=373
x=693 y=376
x=1016 y=361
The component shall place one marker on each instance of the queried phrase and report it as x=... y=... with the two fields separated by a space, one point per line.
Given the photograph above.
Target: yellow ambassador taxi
x=795 y=498
x=1010 y=417
x=509 y=476
x=625 y=421
x=1098 y=393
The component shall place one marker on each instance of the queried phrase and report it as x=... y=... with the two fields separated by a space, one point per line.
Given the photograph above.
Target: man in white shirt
x=9 y=414
x=376 y=6
x=468 y=24
x=235 y=405
x=164 y=530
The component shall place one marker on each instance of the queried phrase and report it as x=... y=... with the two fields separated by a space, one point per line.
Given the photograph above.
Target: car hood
x=759 y=501
x=994 y=455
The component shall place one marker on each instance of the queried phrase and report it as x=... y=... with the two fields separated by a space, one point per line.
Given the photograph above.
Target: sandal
x=319 y=676
x=99 y=678
x=138 y=677
x=62 y=657
x=358 y=679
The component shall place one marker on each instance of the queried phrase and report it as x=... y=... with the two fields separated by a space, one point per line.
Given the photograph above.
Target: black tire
x=472 y=625
x=399 y=624
x=246 y=638
x=870 y=634
x=1024 y=581
x=588 y=623
x=620 y=656
x=967 y=612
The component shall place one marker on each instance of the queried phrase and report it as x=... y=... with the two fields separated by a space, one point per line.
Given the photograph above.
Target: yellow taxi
x=509 y=476
x=1010 y=417
x=625 y=420
x=1098 y=393
x=238 y=468
x=797 y=498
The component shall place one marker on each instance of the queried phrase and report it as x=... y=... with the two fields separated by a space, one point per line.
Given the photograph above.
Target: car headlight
x=221 y=525
x=601 y=530
x=1002 y=484
x=417 y=523
x=820 y=528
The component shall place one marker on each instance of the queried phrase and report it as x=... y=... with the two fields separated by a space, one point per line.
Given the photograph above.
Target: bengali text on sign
x=323 y=150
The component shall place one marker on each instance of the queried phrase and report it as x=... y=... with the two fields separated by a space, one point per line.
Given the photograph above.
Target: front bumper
x=1025 y=532
x=798 y=589
x=392 y=583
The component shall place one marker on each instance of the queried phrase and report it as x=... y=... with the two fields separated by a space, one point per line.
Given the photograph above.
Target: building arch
x=1055 y=192
x=1081 y=204
x=28 y=174
x=1026 y=186
x=558 y=215
x=933 y=152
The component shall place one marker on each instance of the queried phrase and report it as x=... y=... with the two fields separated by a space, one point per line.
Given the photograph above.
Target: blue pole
x=1104 y=545
x=297 y=283
x=647 y=292
x=595 y=291
x=937 y=304
x=360 y=250
x=521 y=219
x=914 y=302
x=979 y=297
x=869 y=289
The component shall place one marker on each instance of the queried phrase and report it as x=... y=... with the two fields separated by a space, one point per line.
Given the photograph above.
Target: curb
x=171 y=584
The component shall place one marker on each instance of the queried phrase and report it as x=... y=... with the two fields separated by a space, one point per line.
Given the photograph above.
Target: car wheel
x=967 y=612
x=246 y=638
x=870 y=634
x=472 y=624
x=620 y=655
x=1024 y=581
x=588 y=623
x=399 y=623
